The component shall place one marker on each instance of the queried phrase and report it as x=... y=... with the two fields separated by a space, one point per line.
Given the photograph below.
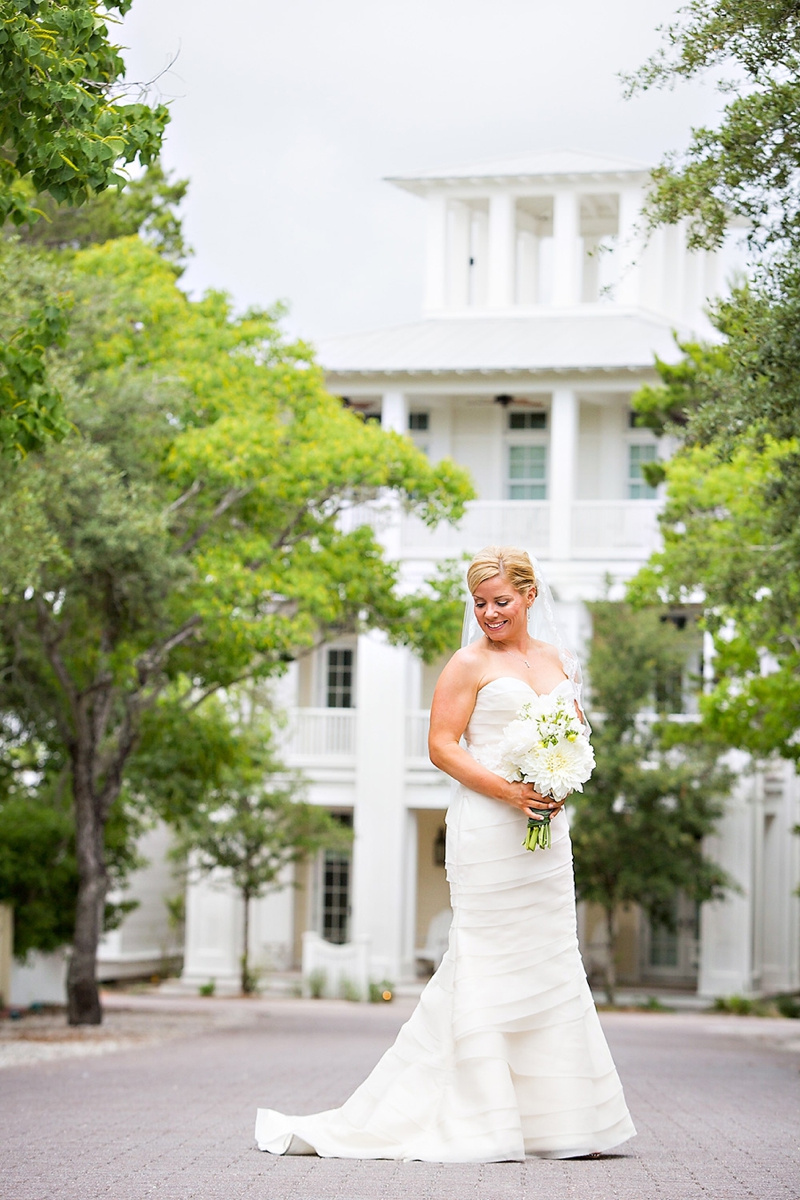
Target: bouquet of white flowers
x=546 y=745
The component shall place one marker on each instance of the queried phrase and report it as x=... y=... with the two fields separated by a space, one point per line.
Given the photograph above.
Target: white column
x=561 y=470
x=214 y=925
x=458 y=225
x=435 y=252
x=565 y=248
x=673 y=265
x=479 y=259
x=408 y=965
x=6 y=950
x=630 y=247
x=394 y=412
x=502 y=236
x=440 y=442
x=726 y=926
x=394 y=416
x=381 y=837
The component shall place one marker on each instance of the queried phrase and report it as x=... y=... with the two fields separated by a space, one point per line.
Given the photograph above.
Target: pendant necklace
x=517 y=654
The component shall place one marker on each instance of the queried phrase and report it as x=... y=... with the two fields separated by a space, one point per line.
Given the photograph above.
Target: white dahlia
x=546 y=745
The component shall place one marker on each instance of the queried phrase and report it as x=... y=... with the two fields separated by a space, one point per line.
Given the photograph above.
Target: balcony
x=316 y=736
x=615 y=528
x=485 y=523
x=626 y=529
x=417 y=725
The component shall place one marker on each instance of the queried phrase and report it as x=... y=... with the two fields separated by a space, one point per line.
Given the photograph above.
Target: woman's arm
x=453 y=702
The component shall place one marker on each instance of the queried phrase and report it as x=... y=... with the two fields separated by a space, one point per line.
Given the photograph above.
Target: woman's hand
x=525 y=797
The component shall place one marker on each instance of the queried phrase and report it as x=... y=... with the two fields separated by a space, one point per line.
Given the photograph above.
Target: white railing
x=600 y=528
x=485 y=523
x=377 y=513
x=626 y=527
x=321 y=733
x=417 y=726
x=316 y=735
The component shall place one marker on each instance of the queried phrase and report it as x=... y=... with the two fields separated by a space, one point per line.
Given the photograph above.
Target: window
x=672 y=945
x=669 y=689
x=663 y=946
x=678 y=682
x=334 y=893
x=418 y=422
x=335 y=897
x=638 y=487
x=527 y=420
x=339 y=689
x=527 y=467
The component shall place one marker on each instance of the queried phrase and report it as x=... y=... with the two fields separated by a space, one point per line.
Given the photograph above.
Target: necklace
x=516 y=653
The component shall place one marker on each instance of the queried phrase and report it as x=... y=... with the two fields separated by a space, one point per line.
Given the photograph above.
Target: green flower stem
x=538 y=832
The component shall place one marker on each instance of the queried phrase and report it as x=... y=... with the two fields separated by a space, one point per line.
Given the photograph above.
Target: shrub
x=316 y=983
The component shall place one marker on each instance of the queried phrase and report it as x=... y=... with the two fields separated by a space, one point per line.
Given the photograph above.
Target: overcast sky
x=287 y=115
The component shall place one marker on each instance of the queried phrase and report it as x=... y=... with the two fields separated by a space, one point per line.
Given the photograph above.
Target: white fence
x=316 y=735
x=620 y=528
x=322 y=733
x=485 y=523
x=626 y=527
x=335 y=971
x=417 y=726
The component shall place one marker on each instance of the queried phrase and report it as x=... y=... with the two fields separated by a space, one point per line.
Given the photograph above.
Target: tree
x=65 y=133
x=434 y=615
x=253 y=824
x=38 y=868
x=730 y=524
x=145 y=206
x=31 y=409
x=64 y=127
x=188 y=536
x=731 y=521
x=723 y=542
x=746 y=167
x=657 y=790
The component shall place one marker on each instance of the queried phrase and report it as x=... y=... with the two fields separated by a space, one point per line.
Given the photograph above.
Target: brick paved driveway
x=715 y=1100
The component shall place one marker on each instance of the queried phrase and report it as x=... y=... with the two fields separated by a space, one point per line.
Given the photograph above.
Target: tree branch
x=209 y=691
x=148 y=661
x=187 y=495
x=228 y=500
x=50 y=639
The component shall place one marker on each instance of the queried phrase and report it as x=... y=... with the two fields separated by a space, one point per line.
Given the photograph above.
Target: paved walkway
x=715 y=1100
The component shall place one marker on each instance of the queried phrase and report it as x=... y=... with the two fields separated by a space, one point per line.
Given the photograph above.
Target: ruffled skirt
x=504 y=1055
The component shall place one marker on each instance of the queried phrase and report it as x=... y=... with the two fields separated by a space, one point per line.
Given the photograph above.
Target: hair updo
x=502 y=560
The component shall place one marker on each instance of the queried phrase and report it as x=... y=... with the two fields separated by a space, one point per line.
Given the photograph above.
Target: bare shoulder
x=549 y=651
x=465 y=665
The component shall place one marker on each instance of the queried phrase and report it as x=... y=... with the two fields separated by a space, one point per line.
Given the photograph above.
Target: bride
x=504 y=1055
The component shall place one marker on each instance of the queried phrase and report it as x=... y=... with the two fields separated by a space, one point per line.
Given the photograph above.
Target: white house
x=542 y=313
x=543 y=310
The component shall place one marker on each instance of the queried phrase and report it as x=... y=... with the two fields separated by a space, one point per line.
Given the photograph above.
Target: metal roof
x=542 y=165
x=568 y=342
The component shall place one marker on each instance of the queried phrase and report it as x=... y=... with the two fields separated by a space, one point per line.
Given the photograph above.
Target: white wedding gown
x=504 y=1055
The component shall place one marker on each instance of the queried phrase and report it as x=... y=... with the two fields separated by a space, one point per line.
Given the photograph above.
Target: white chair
x=437 y=940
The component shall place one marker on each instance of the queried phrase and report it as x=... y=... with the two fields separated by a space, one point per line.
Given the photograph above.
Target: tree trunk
x=83 y=999
x=611 y=953
x=246 y=980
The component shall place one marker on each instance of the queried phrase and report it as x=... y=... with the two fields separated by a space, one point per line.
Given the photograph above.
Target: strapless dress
x=504 y=1055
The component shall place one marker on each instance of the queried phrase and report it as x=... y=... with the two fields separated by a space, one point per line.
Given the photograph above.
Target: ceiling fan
x=504 y=400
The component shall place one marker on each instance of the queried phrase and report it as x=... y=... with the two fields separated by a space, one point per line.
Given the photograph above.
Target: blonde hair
x=502 y=560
